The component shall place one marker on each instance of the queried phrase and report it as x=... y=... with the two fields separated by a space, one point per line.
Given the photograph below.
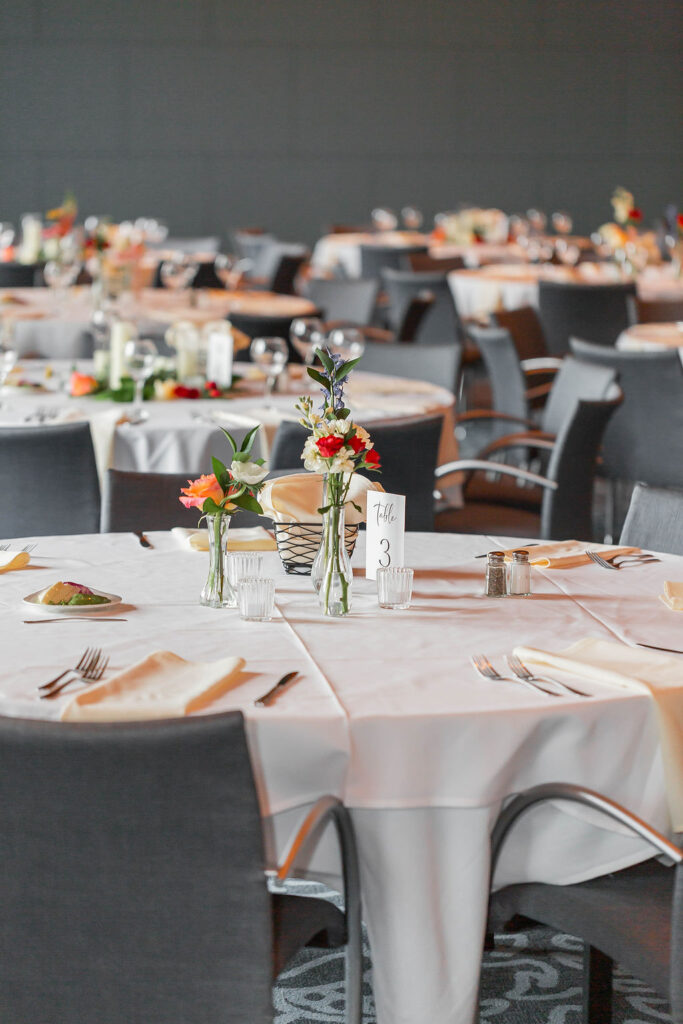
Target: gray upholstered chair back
x=52 y=339
x=256 y=326
x=508 y=383
x=131 y=879
x=20 y=275
x=52 y=470
x=288 y=265
x=437 y=364
x=525 y=329
x=374 y=258
x=644 y=441
x=352 y=300
x=408 y=450
x=574 y=380
x=598 y=312
x=654 y=520
x=442 y=323
x=250 y=245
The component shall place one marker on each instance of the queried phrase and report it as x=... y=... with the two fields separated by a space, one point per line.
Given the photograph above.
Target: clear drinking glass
x=7 y=234
x=178 y=272
x=347 y=342
x=271 y=355
x=139 y=355
x=224 y=266
x=242 y=564
x=307 y=333
x=256 y=598
x=412 y=218
x=394 y=587
x=384 y=219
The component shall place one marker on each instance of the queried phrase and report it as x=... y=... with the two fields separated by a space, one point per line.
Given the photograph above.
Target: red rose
x=635 y=214
x=183 y=392
x=214 y=393
x=372 y=458
x=356 y=443
x=329 y=446
x=679 y=219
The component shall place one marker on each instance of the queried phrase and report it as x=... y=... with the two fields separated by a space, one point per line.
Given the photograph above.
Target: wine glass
x=271 y=355
x=567 y=252
x=412 y=218
x=384 y=219
x=224 y=265
x=6 y=235
x=307 y=333
x=60 y=274
x=347 y=342
x=562 y=222
x=8 y=354
x=537 y=220
x=178 y=272
x=139 y=354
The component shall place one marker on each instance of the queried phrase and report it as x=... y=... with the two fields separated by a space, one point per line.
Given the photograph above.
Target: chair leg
x=354 y=978
x=597 y=986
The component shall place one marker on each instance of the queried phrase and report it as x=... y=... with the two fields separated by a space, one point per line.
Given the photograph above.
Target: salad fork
x=622 y=561
x=484 y=667
x=520 y=670
x=8 y=545
x=90 y=667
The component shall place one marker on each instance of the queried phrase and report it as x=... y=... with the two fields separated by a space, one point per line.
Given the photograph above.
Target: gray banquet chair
x=437 y=364
x=250 y=244
x=20 y=275
x=598 y=312
x=442 y=322
x=132 y=883
x=255 y=325
x=633 y=917
x=408 y=450
x=375 y=258
x=654 y=520
x=51 y=339
x=352 y=301
x=135 y=502
x=48 y=481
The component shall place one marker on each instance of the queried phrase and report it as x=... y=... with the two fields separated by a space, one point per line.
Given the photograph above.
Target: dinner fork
x=90 y=655
x=622 y=562
x=520 y=670
x=8 y=545
x=92 y=673
x=484 y=667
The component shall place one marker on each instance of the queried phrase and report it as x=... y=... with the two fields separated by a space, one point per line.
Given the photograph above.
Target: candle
x=31 y=238
x=121 y=332
x=218 y=336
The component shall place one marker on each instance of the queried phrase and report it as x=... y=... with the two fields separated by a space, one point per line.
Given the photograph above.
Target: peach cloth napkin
x=252 y=538
x=162 y=685
x=566 y=554
x=13 y=560
x=297 y=498
x=673 y=596
x=636 y=669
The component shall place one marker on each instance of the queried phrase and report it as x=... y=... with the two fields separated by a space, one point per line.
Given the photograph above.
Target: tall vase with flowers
x=219 y=495
x=337 y=448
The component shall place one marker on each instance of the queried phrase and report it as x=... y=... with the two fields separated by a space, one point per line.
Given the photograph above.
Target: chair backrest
x=19 y=275
x=249 y=244
x=442 y=322
x=132 y=882
x=575 y=379
x=374 y=258
x=48 y=481
x=566 y=513
x=654 y=520
x=644 y=440
x=437 y=364
x=508 y=383
x=414 y=315
x=408 y=451
x=352 y=300
x=652 y=311
x=256 y=326
x=424 y=261
x=526 y=331
x=286 y=270
x=52 y=339
x=598 y=312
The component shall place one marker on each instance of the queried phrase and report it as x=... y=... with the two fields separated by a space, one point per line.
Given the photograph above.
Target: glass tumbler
x=394 y=587
x=256 y=598
x=241 y=564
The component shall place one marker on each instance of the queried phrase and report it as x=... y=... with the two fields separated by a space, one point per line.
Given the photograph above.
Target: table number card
x=385 y=532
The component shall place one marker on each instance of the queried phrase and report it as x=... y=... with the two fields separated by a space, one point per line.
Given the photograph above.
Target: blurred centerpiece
x=472 y=225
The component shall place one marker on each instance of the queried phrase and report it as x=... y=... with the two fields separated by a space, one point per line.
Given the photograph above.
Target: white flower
x=248 y=473
x=341 y=463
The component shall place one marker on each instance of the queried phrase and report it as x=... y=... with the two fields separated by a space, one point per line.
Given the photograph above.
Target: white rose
x=248 y=473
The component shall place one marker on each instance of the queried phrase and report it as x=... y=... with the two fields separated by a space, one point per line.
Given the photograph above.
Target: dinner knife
x=653 y=647
x=73 y=618
x=268 y=697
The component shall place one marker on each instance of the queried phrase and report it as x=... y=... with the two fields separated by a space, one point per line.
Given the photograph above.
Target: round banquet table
x=388 y=714
x=510 y=286
x=651 y=337
x=181 y=435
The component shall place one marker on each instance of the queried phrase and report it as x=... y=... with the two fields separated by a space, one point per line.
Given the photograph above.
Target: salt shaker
x=495 y=574
x=520 y=574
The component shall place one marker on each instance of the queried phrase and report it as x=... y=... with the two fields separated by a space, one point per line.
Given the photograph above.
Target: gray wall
x=292 y=113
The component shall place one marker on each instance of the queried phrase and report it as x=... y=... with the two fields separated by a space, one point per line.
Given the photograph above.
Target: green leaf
x=218 y=467
x=248 y=502
x=342 y=414
x=345 y=369
x=326 y=360
x=259 y=462
x=241 y=457
x=319 y=378
x=249 y=439
x=357 y=507
x=324 y=509
x=210 y=508
x=231 y=439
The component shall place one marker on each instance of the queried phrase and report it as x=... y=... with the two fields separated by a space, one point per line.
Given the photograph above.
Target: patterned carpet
x=533 y=977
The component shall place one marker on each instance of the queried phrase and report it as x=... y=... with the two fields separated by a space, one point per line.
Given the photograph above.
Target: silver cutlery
x=653 y=647
x=534 y=544
x=281 y=683
x=620 y=561
x=74 y=618
x=26 y=547
x=89 y=670
x=484 y=667
x=519 y=669
x=144 y=541
x=90 y=654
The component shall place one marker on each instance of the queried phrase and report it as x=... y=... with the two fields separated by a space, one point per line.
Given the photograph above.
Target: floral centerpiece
x=621 y=235
x=219 y=495
x=472 y=226
x=63 y=219
x=337 y=448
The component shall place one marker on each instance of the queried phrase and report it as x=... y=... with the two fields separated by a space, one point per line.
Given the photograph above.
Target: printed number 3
x=384 y=543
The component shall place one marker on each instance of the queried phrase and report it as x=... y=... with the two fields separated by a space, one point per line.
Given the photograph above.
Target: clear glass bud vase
x=331 y=574
x=218 y=592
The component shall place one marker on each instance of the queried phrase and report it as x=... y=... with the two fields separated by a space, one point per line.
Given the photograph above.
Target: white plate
x=73 y=609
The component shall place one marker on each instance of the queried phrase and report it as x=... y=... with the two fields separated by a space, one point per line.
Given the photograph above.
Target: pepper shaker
x=496 y=583
x=520 y=574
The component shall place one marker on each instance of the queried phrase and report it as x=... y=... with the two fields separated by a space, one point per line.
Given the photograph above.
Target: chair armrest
x=539 y=391
x=564 y=791
x=378 y=334
x=541 y=364
x=490 y=414
x=471 y=465
x=527 y=439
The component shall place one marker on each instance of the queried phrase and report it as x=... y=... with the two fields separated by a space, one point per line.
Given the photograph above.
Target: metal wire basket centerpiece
x=298 y=544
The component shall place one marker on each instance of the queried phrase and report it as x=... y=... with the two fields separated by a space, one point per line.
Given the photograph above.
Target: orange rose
x=200 y=489
x=82 y=384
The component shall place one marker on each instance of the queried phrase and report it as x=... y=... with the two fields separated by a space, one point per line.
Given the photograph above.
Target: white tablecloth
x=388 y=714
x=652 y=337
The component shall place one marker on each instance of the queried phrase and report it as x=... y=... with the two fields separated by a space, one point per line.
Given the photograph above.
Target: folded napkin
x=565 y=554
x=297 y=498
x=673 y=596
x=13 y=560
x=632 y=668
x=253 y=538
x=160 y=686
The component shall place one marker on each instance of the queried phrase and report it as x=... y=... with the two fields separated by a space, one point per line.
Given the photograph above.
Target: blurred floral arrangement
x=472 y=225
x=160 y=386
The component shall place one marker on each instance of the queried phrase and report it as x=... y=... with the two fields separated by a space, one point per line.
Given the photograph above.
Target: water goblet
x=61 y=273
x=412 y=218
x=178 y=272
x=271 y=355
x=307 y=333
x=384 y=219
x=562 y=222
x=347 y=342
x=224 y=266
x=139 y=355
x=537 y=220
x=567 y=252
x=6 y=235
